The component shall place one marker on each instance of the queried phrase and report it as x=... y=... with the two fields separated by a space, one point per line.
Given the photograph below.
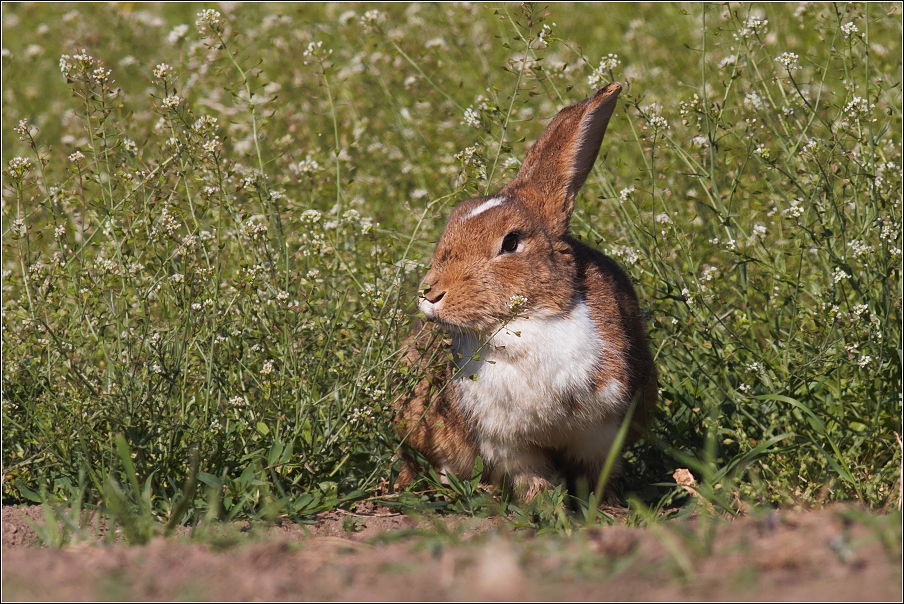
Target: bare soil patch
x=813 y=555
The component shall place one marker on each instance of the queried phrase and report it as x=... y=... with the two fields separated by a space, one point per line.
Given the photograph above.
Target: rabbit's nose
x=433 y=298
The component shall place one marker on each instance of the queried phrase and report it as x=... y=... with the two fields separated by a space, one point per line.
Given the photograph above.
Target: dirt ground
x=826 y=555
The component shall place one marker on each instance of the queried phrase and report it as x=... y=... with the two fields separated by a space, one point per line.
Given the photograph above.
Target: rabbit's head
x=511 y=250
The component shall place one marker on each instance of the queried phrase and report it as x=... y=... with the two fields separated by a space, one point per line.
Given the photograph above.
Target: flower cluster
x=171 y=102
x=788 y=60
x=472 y=161
x=163 y=72
x=316 y=51
x=517 y=303
x=600 y=74
x=209 y=23
x=849 y=29
x=753 y=101
x=472 y=118
x=177 y=34
x=656 y=122
x=372 y=19
x=753 y=28
x=544 y=36
x=18 y=167
x=858 y=108
x=82 y=67
x=307 y=166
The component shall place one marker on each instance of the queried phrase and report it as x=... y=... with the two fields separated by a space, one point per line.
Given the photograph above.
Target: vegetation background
x=215 y=219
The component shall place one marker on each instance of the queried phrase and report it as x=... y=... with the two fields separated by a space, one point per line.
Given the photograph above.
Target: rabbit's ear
x=560 y=161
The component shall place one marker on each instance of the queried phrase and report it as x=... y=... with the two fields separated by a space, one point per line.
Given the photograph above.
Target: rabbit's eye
x=510 y=243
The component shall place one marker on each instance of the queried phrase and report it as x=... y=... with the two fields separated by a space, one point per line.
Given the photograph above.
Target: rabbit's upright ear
x=560 y=161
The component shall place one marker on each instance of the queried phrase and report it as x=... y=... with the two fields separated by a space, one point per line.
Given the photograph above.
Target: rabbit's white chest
x=535 y=379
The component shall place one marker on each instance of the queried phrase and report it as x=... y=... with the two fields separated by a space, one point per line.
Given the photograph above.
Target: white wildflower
x=839 y=275
x=306 y=166
x=849 y=29
x=177 y=33
x=517 y=303
x=77 y=157
x=729 y=60
x=655 y=121
x=267 y=369
x=544 y=35
x=859 y=309
x=688 y=297
x=163 y=71
x=18 y=227
x=372 y=18
x=106 y=267
x=209 y=22
x=861 y=248
x=795 y=210
x=754 y=27
x=316 y=51
x=858 y=108
x=171 y=102
x=472 y=118
x=204 y=123
x=753 y=101
x=19 y=167
x=311 y=216
x=626 y=253
x=788 y=60
x=255 y=230
x=602 y=73
x=22 y=128
x=212 y=146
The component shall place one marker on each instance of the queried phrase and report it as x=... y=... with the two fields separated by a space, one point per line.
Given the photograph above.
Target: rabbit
x=548 y=344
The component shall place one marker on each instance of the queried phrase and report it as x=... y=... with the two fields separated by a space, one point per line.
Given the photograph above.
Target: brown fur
x=428 y=420
x=471 y=282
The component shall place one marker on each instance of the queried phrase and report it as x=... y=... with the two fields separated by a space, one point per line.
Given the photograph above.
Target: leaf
x=30 y=495
x=275 y=453
x=209 y=479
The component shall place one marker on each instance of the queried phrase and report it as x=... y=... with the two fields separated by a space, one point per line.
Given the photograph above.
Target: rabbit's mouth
x=430 y=306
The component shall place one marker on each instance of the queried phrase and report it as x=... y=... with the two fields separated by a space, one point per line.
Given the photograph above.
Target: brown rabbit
x=549 y=348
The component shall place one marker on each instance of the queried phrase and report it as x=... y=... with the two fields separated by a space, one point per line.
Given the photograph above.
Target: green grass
x=237 y=288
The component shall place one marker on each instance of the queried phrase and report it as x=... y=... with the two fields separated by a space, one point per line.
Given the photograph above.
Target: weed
x=212 y=236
